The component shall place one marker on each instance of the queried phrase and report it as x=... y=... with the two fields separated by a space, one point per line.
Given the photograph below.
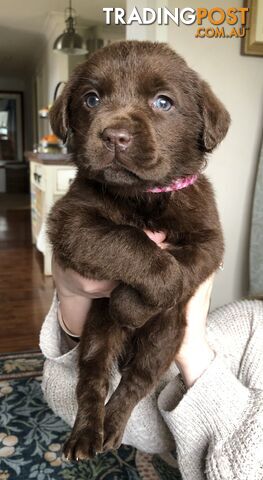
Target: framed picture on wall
x=11 y=126
x=252 y=43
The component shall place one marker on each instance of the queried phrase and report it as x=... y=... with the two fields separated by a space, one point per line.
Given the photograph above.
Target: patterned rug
x=31 y=436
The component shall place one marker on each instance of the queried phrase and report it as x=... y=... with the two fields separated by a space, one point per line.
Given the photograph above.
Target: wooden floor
x=25 y=293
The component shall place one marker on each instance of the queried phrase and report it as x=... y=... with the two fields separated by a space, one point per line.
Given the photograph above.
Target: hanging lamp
x=70 y=42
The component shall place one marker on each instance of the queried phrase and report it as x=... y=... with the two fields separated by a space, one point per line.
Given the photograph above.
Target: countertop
x=49 y=158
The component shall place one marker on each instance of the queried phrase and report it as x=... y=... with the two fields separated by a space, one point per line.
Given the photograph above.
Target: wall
x=51 y=69
x=237 y=80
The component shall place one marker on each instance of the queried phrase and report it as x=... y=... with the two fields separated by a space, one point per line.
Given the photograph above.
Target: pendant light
x=70 y=42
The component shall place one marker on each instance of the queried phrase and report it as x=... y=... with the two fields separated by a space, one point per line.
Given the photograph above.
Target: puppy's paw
x=83 y=445
x=114 y=428
x=128 y=308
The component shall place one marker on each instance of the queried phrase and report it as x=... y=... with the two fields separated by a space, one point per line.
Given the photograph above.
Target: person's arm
x=218 y=424
x=75 y=294
x=195 y=354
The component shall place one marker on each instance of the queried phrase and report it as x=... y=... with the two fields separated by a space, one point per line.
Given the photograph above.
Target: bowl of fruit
x=50 y=144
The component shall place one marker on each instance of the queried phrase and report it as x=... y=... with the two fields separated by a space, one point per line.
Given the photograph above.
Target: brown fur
x=97 y=227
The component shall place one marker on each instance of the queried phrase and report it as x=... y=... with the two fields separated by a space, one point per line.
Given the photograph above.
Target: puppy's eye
x=163 y=103
x=92 y=99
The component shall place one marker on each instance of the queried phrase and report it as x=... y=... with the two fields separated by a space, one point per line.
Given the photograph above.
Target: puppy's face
x=137 y=116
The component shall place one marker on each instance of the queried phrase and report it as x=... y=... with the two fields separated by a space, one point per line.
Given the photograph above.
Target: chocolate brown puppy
x=137 y=121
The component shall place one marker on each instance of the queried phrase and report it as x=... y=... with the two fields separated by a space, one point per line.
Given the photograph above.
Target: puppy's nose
x=116 y=138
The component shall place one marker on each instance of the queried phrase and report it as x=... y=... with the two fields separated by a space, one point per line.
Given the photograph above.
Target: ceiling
x=22 y=28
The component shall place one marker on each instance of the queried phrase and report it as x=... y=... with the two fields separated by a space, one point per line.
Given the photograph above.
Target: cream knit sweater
x=217 y=426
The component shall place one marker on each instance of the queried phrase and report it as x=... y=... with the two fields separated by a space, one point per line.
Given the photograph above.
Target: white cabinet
x=49 y=180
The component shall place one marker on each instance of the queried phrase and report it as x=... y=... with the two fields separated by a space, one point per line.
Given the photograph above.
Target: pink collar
x=175 y=185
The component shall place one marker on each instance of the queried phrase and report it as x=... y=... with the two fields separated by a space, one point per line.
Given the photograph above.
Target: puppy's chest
x=141 y=214
x=142 y=220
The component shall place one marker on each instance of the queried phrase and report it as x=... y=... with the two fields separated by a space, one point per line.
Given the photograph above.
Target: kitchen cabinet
x=50 y=178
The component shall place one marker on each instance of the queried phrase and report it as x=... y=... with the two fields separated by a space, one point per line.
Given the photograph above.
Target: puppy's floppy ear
x=58 y=115
x=216 y=118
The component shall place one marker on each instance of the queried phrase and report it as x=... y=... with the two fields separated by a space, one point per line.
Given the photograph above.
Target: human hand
x=195 y=354
x=157 y=237
x=76 y=293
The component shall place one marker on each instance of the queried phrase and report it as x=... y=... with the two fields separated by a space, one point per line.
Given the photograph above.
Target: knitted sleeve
x=60 y=368
x=218 y=425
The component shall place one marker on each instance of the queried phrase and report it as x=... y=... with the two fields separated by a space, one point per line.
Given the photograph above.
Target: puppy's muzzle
x=116 y=139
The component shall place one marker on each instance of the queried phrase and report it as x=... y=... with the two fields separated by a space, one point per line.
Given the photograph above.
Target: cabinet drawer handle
x=37 y=177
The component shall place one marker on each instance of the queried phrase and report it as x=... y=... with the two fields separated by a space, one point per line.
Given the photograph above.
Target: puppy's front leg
x=129 y=308
x=197 y=260
x=150 y=277
x=101 y=342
